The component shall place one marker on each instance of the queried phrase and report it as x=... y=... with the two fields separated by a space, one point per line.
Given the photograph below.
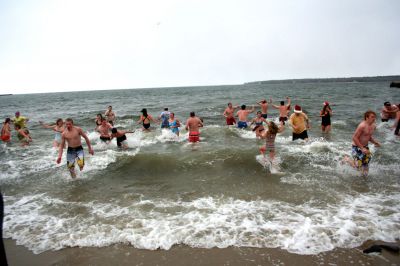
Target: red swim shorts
x=230 y=121
x=5 y=138
x=194 y=136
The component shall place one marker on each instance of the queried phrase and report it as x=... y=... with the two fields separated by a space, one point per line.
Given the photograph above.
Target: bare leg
x=72 y=172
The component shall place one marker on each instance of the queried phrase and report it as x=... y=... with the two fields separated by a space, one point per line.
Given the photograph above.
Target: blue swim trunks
x=242 y=124
x=361 y=158
x=75 y=154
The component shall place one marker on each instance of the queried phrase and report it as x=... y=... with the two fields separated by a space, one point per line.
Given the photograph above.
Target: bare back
x=193 y=124
x=243 y=114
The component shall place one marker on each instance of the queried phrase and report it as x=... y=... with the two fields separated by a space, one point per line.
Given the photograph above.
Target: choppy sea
x=163 y=191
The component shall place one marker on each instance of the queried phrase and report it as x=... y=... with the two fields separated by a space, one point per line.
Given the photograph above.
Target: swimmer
x=110 y=115
x=58 y=129
x=120 y=136
x=103 y=129
x=145 y=119
x=283 y=110
x=264 y=107
x=258 y=121
x=72 y=135
x=242 y=114
x=20 y=120
x=174 y=124
x=325 y=115
x=23 y=135
x=269 y=136
x=300 y=124
x=192 y=125
x=389 y=111
x=361 y=137
x=6 y=130
x=98 y=119
x=229 y=114
x=164 y=117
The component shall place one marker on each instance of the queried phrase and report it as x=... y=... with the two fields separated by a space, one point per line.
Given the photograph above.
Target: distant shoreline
x=5 y=94
x=314 y=80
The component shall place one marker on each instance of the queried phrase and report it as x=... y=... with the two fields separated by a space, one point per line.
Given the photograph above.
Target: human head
x=17 y=113
x=69 y=123
x=272 y=127
x=259 y=113
x=282 y=102
x=99 y=116
x=297 y=109
x=192 y=114
x=243 y=107
x=144 y=111
x=7 y=120
x=59 y=122
x=229 y=105
x=326 y=103
x=264 y=101
x=387 y=104
x=166 y=109
x=171 y=115
x=109 y=107
x=17 y=126
x=114 y=130
x=368 y=114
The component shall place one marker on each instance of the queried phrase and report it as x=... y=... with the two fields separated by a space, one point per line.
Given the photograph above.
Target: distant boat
x=395 y=84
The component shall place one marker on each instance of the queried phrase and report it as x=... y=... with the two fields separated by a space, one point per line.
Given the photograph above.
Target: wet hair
x=173 y=114
x=272 y=128
x=192 y=114
x=109 y=106
x=229 y=104
x=259 y=112
x=114 y=130
x=243 y=106
x=101 y=116
x=103 y=119
x=7 y=120
x=69 y=120
x=58 y=120
x=166 y=109
x=387 y=104
x=264 y=101
x=368 y=113
x=282 y=102
x=144 y=112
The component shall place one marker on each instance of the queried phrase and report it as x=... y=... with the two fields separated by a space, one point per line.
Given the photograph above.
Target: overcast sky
x=50 y=45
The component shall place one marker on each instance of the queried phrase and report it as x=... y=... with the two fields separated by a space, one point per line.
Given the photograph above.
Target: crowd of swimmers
x=67 y=132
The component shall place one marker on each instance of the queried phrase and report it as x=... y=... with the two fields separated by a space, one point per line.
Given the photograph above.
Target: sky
x=53 y=45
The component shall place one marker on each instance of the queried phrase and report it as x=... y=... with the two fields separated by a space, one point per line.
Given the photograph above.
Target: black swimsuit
x=147 y=125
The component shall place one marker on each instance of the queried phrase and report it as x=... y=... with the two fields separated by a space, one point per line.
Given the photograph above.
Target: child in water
x=270 y=136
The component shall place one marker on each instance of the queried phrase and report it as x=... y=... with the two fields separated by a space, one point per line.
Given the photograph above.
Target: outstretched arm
x=46 y=126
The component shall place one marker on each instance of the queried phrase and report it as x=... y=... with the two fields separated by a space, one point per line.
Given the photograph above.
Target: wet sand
x=184 y=255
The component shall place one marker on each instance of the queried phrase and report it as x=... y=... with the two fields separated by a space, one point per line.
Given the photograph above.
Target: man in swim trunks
x=229 y=114
x=242 y=114
x=361 y=137
x=121 y=138
x=164 y=117
x=283 y=110
x=72 y=135
x=110 y=115
x=103 y=129
x=264 y=107
x=300 y=124
x=389 y=111
x=193 y=124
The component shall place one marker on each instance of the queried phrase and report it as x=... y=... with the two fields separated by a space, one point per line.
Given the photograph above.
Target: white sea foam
x=205 y=222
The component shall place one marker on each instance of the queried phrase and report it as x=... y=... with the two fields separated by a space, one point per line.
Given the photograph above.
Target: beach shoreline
x=183 y=255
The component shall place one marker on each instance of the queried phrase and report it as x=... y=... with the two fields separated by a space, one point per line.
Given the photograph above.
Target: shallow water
x=164 y=191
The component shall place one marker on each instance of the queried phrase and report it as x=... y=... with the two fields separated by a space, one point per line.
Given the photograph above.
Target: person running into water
x=103 y=129
x=58 y=129
x=110 y=115
x=192 y=125
x=145 y=119
x=98 y=119
x=23 y=135
x=389 y=111
x=120 y=136
x=396 y=125
x=174 y=124
x=229 y=114
x=325 y=115
x=6 y=130
x=264 y=107
x=20 y=120
x=269 y=136
x=242 y=114
x=72 y=135
x=361 y=137
x=258 y=121
x=164 y=117
x=283 y=110
x=300 y=124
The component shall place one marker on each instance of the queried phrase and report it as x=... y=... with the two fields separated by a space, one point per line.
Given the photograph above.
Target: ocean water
x=164 y=191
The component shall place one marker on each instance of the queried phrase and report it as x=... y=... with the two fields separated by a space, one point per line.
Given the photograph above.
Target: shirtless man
x=193 y=124
x=242 y=114
x=72 y=135
x=120 y=136
x=229 y=114
x=361 y=137
x=103 y=129
x=283 y=110
x=264 y=107
x=389 y=111
x=110 y=115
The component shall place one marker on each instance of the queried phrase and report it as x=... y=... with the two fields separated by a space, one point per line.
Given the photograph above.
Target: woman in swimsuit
x=98 y=120
x=58 y=129
x=6 y=130
x=258 y=121
x=269 y=137
x=174 y=124
x=145 y=119
x=325 y=114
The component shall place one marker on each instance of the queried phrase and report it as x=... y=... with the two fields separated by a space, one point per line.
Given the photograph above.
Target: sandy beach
x=184 y=255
